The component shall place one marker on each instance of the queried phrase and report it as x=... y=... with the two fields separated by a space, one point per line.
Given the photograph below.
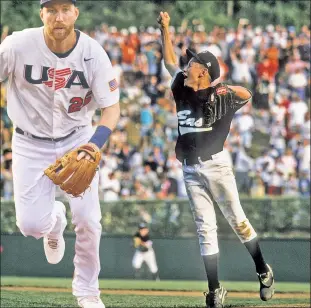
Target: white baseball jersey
x=49 y=96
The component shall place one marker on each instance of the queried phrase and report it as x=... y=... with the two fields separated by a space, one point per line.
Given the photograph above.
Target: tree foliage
x=23 y=14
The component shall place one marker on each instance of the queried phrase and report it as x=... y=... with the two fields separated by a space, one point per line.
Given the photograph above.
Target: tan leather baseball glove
x=72 y=175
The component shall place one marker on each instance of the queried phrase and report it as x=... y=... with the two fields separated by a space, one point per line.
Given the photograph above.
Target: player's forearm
x=169 y=55
x=107 y=123
x=110 y=116
x=241 y=92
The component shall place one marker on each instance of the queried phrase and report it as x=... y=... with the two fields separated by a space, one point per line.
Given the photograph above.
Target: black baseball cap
x=42 y=2
x=208 y=60
x=142 y=226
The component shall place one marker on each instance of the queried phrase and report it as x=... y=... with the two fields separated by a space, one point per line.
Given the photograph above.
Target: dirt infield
x=165 y=293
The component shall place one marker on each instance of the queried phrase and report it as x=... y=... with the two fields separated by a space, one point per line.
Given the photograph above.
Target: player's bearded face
x=59 y=18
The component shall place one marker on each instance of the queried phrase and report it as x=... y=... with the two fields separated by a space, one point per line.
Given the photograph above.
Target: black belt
x=20 y=131
x=197 y=160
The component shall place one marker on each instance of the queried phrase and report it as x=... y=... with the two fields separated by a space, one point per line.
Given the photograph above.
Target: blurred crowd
x=269 y=140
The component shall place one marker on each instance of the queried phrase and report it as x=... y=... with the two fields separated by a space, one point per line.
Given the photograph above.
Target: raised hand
x=163 y=19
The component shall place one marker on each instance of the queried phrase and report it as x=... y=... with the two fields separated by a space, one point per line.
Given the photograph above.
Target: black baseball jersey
x=204 y=118
x=145 y=238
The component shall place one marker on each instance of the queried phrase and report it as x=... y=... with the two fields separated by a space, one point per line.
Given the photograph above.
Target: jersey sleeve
x=6 y=58
x=176 y=79
x=238 y=102
x=104 y=86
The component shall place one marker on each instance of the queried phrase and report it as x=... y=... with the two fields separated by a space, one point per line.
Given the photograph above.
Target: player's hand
x=85 y=155
x=164 y=19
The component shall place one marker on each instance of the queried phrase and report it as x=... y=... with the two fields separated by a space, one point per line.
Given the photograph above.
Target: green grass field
x=56 y=292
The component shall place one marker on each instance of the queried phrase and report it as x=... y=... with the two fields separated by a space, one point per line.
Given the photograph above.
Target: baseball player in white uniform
x=58 y=77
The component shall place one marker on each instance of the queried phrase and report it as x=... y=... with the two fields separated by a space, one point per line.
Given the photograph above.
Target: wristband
x=100 y=136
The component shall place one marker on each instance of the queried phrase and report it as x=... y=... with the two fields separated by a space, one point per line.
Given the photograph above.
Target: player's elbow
x=243 y=93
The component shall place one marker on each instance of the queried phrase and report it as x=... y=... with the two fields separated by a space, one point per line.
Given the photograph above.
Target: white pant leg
x=138 y=259
x=34 y=193
x=150 y=259
x=203 y=211
x=86 y=216
x=220 y=179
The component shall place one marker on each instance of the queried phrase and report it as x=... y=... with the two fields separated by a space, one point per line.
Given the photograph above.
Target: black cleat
x=266 y=284
x=216 y=299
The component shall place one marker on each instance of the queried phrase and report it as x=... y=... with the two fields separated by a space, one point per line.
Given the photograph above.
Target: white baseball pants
x=148 y=257
x=213 y=180
x=36 y=213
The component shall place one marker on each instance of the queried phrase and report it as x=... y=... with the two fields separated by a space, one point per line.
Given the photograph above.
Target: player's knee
x=32 y=226
x=89 y=223
x=244 y=230
x=205 y=231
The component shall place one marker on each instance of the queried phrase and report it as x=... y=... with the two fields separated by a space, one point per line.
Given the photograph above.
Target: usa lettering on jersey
x=56 y=79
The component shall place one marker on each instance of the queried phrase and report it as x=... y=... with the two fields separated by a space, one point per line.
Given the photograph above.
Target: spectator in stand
x=125 y=157
x=278 y=110
x=276 y=181
x=111 y=187
x=277 y=137
x=258 y=187
x=244 y=165
x=304 y=184
x=289 y=162
x=241 y=73
x=304 y=47
x=234 y=142
x=140 y=192
x=298 y=82
x=168 y=188
x=291 y=185
x=102 y=34
x=126 y=184
x=264 y=166
x=151 y=88
x=148 y=177
x=128 y=50
x=146 y=117
x=305 y=129
x=297 y=111
x=158 y=156
x=245 y=127
x=304 y=165
x=158 y=137
x=248 y=53
x=151 y=55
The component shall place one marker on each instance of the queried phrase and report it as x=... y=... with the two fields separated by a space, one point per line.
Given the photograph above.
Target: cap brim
x=191 y=54
x=43 y=2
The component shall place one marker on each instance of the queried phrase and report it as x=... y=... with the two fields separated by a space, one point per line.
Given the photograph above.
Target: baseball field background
x=27 y=280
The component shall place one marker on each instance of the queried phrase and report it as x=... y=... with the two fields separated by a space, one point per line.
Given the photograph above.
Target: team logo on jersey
x=188 y=125
x=221 y=91
x=57 y=79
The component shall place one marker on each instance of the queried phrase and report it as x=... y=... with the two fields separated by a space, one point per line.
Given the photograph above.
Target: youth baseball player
x=144 y=252
x=58 y=77
x=204 y=117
